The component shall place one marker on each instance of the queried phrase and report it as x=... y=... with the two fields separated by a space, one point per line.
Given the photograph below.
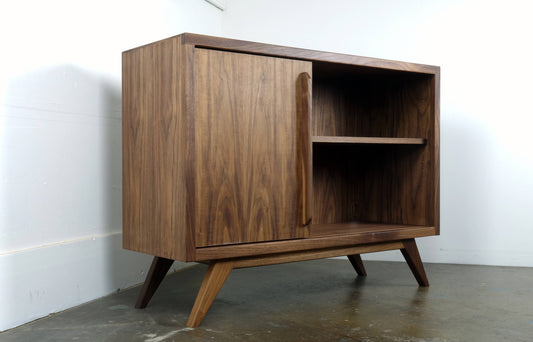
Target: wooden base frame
x=219 y=270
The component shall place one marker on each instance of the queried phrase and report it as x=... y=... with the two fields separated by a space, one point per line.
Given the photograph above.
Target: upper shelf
x=368 y=140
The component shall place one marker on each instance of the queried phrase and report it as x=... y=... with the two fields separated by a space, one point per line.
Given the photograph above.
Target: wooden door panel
x=246 y=148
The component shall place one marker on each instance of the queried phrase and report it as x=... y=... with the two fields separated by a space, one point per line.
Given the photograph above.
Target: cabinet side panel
x=245 y=146
x=187 y=141
x=153 y=178
x=435 y=145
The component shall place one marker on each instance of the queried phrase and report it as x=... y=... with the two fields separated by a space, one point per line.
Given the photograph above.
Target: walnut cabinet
x=242 y=154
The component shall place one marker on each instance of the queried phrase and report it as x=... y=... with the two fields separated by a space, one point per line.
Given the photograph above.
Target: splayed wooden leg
x=411 y=255
x=216 y=275
x=157 y=272
x=357 y=264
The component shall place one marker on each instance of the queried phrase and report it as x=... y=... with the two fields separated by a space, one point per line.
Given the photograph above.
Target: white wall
x=485 y=52
x=60 y=146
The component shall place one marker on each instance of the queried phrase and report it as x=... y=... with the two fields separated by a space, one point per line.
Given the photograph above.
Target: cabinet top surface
x=198 y=40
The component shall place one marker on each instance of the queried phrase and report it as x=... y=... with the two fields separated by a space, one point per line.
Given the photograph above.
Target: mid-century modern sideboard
x=242 y=154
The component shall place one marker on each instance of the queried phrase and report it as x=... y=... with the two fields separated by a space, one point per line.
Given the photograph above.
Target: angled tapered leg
x=216 y=275
x=411 y=255
x=357 y=264
x=157 y=272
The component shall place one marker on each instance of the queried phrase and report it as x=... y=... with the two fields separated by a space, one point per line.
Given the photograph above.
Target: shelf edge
x=368 y=140
x=273 y=247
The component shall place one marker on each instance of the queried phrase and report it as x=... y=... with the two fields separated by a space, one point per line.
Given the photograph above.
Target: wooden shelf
x=332 y=230
x=325 y=235
x=368 y=140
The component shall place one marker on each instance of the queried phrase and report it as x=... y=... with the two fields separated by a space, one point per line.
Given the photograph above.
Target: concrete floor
x=319 y=300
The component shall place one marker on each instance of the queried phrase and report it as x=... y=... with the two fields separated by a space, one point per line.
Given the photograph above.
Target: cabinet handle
x=304 y=147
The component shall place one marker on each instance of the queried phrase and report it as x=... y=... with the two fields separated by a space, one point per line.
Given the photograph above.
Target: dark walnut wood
x=321 y=236
x=367 y=140
x=154 y=150
x=216 y=275
x=157 y=272
x=302 y=54
x=393 y=184
x=242 y=154
x=246 y=148
x=304 y=148
x=219 y=270
x=411 y=255
x=357 y=264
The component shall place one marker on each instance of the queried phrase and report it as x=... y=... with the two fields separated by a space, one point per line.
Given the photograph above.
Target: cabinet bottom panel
x=321 y=236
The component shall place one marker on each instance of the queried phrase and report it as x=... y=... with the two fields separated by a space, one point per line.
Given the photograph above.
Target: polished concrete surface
x=320 y=300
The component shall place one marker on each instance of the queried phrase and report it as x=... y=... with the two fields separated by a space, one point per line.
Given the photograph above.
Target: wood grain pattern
x=219 y=161
x=314 y=254
x=395 y=184
x=302 y=54
x=357 y=264
x=304 y=146
x=411 y=255
x=187 y=144
x=153 y=123
x=320 y=236
x=434 y=146
x=219 y=270
x=372 y=183
x=391 y=105
x=245 y=136
x=353 y=97
x=367 y=140
x=216 y=275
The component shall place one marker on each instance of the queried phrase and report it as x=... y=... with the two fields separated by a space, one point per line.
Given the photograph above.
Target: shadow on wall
x=62 y=142
x=61 y=198
x=466 y=198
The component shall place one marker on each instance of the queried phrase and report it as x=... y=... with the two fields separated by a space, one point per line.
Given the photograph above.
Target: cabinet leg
x=411 y=255
x=157 y=272
x=216 y=275
x=357 y=264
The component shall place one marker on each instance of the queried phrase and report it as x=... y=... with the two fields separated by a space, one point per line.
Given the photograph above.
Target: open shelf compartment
x=379 y=184
x=374 y=151
x=359 y=101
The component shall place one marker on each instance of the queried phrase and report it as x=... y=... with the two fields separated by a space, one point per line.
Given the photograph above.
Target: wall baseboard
x=39 y=281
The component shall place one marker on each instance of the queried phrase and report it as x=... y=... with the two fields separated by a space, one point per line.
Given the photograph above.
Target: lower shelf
x=358 y=229
x=321 y=236
x=368 y=140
